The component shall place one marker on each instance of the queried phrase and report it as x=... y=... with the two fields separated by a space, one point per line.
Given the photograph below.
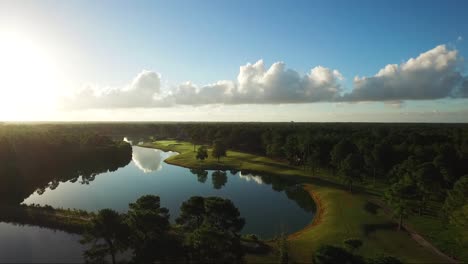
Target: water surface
x=269 y=205
x=31 y=244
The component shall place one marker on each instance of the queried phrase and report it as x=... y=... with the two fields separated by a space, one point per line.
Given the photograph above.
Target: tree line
x=32 y=158
x=206 y=231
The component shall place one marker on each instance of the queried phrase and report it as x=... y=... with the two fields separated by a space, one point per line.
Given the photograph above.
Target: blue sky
x=109 y=43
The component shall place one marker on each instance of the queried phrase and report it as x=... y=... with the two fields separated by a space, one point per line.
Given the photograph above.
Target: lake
x=26 y=244
x=269 y=205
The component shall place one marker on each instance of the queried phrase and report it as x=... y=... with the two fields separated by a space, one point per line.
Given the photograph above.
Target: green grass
x=234 y=160
x=343 y=215
x=340 y=214
x=441 y=235
x=72 y=221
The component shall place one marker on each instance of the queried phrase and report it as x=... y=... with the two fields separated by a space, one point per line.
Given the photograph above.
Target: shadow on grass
x=371 y=228
x=269 y=164
x=371 y=207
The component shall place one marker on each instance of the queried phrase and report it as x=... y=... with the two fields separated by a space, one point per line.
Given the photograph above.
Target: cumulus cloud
x=432 y=75
x=256 y=84
x=141 y=92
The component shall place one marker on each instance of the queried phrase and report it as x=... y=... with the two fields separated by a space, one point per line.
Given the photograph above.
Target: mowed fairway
x=340 y=213
x=343 y=215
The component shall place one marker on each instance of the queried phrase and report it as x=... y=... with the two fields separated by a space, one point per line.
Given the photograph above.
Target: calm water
x=25 y=244
x=267 y=210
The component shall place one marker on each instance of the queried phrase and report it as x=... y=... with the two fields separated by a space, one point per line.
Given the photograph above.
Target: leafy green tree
x=108 y=235
x=210 y=245
x=273 y=143
x=340 y=151
x=446 y=161
x=313 y=159
x=399 y=196
x=219 y=149
x=211 y=227
x=404 y=169
x=428 y=181
x=291 y=149
x=192 y=213
x=350 y=169
x=196 y=137
x=149 y=226
x=202 y=153
x=456 y=209
x=375 y=160
x=457 y=197
x=459 y=218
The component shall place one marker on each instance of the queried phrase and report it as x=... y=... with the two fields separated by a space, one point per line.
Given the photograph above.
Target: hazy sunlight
x=29 y=76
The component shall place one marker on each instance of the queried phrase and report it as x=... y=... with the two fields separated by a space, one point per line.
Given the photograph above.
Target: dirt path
x=415 y=235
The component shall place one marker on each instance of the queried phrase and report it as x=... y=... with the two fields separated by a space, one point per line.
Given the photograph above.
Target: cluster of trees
x=206 y=231
x=420 y=163
x=32 y=158
x=219 y=150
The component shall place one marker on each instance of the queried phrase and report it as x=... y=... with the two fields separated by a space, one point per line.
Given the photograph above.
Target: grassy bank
x=72 y=221
x=340 y=214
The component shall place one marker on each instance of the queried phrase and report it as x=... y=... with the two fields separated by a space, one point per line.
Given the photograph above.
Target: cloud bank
x=434 y=74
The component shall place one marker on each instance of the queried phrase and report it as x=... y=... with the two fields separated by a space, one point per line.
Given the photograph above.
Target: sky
x=309 y=61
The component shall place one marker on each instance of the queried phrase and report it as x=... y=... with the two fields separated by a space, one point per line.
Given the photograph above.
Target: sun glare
x=29 y=77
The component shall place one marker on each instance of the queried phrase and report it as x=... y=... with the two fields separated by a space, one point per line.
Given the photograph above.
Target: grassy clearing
x=441 y=235
x=234 y=160
x=340 y=214
x=344 y=215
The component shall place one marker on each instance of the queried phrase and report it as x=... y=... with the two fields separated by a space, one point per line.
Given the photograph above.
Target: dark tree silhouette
x=399 y=196
x=149 y=226
x=350 y=169
x=108 y=235
x=212 y=227
x=219 y=149
x=202 y=153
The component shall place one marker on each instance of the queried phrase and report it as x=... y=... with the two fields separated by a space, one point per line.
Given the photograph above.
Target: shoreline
x=333 y=204
x=317 y=217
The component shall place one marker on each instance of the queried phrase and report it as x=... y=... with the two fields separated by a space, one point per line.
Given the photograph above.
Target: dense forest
x=35 y=159
x=426 y=158
x=418 y=168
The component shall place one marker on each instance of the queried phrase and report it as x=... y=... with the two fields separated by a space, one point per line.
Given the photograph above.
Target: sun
x=29 y=77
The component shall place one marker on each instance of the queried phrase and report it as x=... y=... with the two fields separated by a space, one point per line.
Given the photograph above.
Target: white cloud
x=254 y=85
x=141 y=92
x=432 y=75
x=460 y=38
x=257 y=85
x=147 y=160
